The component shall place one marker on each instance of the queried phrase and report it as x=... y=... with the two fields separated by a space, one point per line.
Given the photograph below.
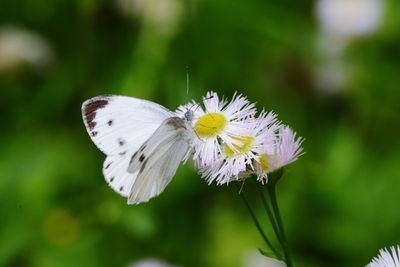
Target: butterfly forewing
x=120 y=123
x=116 y=175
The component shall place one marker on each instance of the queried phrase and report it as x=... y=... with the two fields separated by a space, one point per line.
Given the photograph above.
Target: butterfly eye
x=189 y=115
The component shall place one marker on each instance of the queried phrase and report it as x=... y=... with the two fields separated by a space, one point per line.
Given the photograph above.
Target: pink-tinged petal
x=387 y=258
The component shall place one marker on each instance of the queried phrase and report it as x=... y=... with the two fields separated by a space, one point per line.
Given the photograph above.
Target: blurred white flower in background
x=255 y=259
x=387 y=258
x=20 y=47
x=131 y=7
x=330 y=76
x=341 y=21
x=164 y=14
x=348 y=18
x=150 y=263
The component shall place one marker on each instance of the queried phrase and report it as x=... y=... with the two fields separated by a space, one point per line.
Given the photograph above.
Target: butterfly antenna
x=241 y=188
x=187 y=83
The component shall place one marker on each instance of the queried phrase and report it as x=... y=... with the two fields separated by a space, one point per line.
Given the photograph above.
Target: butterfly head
x=189 y=115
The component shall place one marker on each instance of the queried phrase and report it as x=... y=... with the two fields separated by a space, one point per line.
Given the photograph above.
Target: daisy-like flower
x=287 y=149
x=221 y=122
x=387 y=258
x=237 y=160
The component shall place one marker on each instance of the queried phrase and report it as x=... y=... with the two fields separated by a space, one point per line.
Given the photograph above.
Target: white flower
x=387 y=258
x=233 y=143
x=287 y=149
x=237 y=159
x=221 y=122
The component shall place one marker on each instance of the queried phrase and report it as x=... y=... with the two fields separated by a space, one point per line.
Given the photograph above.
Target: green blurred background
x=330 y=69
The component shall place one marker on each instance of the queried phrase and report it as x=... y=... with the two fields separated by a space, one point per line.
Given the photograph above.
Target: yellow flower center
x=210 y=125
x=247 y=142
x=264 y=163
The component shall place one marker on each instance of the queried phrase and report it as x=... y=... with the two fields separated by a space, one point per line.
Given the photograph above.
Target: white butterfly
x=144 y=143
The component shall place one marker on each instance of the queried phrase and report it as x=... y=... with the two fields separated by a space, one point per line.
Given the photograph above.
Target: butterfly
x=144 y=143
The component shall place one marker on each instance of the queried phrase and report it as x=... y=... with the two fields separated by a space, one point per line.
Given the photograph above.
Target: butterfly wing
x=114 y=171
x=157 y=160
x=119 y=125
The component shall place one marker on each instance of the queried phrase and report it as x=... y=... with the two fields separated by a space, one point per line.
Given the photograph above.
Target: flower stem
x=269 y=213
x=260 y=230
x=274 y=202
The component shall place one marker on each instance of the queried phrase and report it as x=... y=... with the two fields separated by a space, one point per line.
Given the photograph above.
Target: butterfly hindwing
x=157 y=169
x=165 y=133
x=116 y=175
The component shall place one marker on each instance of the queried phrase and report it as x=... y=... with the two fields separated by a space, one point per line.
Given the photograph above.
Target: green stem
x=272 y=193
x=260 y=230
x=269 y=212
